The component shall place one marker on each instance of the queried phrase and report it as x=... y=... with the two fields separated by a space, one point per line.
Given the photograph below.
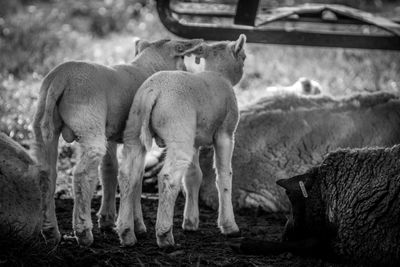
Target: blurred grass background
x=35 y=36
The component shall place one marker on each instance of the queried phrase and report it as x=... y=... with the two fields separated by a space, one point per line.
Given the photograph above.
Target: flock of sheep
x=348 y=205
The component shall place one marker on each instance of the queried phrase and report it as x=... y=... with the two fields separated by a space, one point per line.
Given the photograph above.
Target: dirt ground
x=207 y=247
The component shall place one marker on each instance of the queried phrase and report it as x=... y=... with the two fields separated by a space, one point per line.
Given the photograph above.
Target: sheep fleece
x=284 y=136
x=360 y=192
x=20 y=201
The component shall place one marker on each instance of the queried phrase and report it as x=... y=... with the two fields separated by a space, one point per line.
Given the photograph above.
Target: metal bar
x=228 y=11
x=227 y=14
x=347 y=12
x=246 y=11
x=203 y=10
x=368 y=18
x=274 y=36
x=319 y=20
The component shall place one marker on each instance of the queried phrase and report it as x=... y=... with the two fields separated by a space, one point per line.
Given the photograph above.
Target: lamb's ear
x=288 y=184
x=136 y=41
x=183 y=48
x=239 y=44
x=292 y=184
x=160 y=42
x=299 y=183
x=200 y=51
x=139 y=45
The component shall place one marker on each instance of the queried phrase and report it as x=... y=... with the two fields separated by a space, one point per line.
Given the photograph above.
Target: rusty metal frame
x=387 y=39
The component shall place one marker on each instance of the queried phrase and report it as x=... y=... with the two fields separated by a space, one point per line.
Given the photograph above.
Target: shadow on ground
x=207 y=247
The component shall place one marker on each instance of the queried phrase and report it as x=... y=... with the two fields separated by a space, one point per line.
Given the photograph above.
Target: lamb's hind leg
x=223 y=147
x=109 y=174
x=130 y=183
x=48 y=177
x=85 y=181
x=46 y=156
x=178 y=159
x=140 y=227
x=191 y=185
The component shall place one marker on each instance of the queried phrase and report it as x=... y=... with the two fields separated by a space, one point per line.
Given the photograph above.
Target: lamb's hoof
x=140 y=230
x=141 y=234
x=230 y=231
x=106 y=223
x=84 y=238
x=165 y=239
x=190 y=225
x=234 y=234
x=52 y=237
x=127 y=238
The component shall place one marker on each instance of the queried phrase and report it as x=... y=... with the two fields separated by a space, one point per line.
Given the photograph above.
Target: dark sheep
x=347 y=207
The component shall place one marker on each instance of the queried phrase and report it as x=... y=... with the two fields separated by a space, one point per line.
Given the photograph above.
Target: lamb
x=89 y=103
x=348 y=207
x=303 y=86
x=182 y=112
x=307 y=86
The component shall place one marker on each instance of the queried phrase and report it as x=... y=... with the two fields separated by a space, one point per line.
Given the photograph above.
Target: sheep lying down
x=20 y=198
x=302 y=87
x=347 y=207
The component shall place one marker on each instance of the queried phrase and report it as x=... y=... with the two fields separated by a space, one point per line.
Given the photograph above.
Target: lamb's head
x=167 y=54
x=224 y=57
x=307 y=214
x=308 y=87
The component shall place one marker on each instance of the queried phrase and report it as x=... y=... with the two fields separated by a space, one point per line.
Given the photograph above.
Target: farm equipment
x=324 y=25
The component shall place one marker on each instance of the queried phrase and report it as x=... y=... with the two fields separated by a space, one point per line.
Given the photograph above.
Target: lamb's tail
x=52 y=88
x=140 y=116
x=145 y=134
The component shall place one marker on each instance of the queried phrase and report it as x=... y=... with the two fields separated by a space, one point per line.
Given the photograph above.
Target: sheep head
x=223 y=57
x=306 y=216
x=168 y=52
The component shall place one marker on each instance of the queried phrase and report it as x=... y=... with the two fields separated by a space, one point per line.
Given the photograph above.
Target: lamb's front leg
x=130 y=176
x=223 y=148
x=191 y=185
x=109 y=174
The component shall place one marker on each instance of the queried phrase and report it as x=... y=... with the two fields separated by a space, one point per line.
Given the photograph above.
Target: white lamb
x=303 y=86
x=89 y=103
x=183 y=111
